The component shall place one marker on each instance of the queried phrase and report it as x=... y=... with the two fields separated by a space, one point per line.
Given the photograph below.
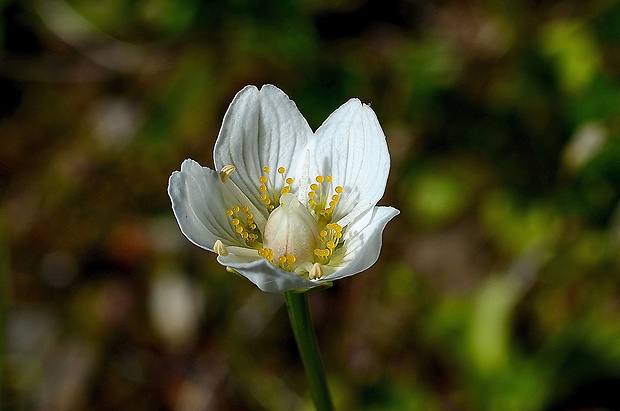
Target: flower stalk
x=301 y=322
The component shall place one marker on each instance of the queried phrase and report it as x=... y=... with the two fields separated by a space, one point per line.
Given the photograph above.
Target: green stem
x=301 y=322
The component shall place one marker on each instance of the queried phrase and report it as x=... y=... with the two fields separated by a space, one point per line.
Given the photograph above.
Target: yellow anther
x=314 y=187
x=291 y=258
x=338 y=189
x=338 y=235
x=328 y=179
x=250 y=216
x=320 y=179
x=281 y=170
x=311 y=194
x=263 y=197
x=335 y=197
x=323 y=233
x=289 y=181
x=235 y=209
x=262 y=179
x=239 y=229
x=220 y=248
x=229 y=213
x=235 y=221
x=266 y=169
x=282 y=259
x=262 y=188
x=226 y=171
x=245 y=209
x=331 y=245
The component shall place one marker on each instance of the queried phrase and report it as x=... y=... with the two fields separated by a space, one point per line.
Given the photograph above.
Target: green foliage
x=497 y=287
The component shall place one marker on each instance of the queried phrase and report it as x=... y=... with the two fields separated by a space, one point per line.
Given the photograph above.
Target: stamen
x=226 y=171
x=243 y=222
x=220 y=248
x=269 y=194
x=316 y=272
x=322 y=200
x=329 y=240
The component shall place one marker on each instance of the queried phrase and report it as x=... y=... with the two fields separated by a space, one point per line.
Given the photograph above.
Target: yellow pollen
x=282 y=259
x=323 y=233
x=271 y=190
x=314 y=187
x=311 y=194
x=242 y=221
x=328 y=179
x=338 y=189
x=319 y=179
x=291 y=258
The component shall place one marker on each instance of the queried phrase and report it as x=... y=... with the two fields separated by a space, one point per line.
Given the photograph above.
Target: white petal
x=265 y=275
x=350 y=146
x=199 y=201
x=261 y=129
x=363 y=242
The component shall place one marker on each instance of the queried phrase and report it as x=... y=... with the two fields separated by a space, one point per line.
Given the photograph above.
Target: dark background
x=497 y=287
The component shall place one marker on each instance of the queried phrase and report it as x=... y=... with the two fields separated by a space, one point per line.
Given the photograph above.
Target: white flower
x=288 y=208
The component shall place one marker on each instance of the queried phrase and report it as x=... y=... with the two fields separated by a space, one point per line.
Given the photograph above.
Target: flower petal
x=262 y=128
x=363 y=242
x=199 y=201
x=350 y=146
x=265 y=275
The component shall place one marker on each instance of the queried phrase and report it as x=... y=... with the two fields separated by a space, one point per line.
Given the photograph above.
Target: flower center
x=291 y=234
x=297 y=237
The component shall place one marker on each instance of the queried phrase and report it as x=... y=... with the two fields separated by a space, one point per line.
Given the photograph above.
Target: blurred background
x=498 y=287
